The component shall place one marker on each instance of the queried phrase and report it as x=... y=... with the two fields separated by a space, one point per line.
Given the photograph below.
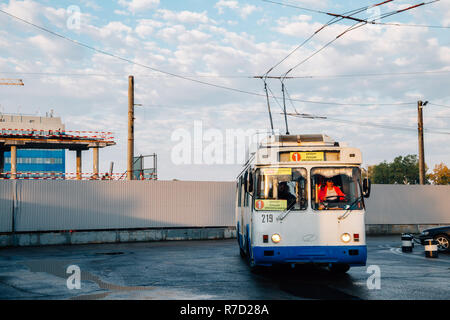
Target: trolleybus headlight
x=276 y=238
x=346 y=237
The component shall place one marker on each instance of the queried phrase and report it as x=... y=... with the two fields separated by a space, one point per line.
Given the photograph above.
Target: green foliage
x=403 y=170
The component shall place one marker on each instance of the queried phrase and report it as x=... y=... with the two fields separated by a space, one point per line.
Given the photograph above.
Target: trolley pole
x=420 y=106
x=130 y=127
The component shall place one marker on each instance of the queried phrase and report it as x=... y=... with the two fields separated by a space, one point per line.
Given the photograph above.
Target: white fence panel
x=99 y=205
x=6 y=206
x=408 y=204
x=102 y=205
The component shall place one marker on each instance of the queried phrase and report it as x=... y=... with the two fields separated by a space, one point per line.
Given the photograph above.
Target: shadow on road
x=310 y=282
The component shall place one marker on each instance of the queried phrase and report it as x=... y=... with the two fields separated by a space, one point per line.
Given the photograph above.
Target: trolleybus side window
x=239 y=187
x=247 y=198
x=336 y=189
x=279 y=189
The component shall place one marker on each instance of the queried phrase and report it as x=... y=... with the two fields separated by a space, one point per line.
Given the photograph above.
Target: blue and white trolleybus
x=300 y=199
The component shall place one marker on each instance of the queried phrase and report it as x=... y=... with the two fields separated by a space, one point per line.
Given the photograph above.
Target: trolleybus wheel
x=339 y=268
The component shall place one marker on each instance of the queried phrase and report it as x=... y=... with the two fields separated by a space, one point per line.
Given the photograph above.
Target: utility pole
x=130 y=127
x=420 y=106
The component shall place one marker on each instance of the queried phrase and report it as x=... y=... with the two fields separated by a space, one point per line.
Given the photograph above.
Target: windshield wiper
x=349 y=209
x=286 y=212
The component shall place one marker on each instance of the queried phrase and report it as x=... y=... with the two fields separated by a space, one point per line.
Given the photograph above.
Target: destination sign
x=271 y=205
x=306 y=156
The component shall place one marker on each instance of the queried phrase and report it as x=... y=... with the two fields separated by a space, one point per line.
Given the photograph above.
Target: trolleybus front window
x=280 y=189
x=336 y=189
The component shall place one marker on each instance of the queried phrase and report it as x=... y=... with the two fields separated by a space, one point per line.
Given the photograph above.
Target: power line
x=157 y=75
x=128 y=60
x=170 y=73
x=357 y=75
x=306 y=116
x=295 y=6
x=438 y=105
x=332 y=21
x=365 y=124
x=187 y=78
x=379 y=23
x=359 y=23
x=355 y=26
x=65 y=74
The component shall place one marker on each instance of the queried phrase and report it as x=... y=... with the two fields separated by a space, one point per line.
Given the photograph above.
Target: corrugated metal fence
x=408 y=204
x=105 y=205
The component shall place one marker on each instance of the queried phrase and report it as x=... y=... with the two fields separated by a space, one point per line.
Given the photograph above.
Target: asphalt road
x=196 y=270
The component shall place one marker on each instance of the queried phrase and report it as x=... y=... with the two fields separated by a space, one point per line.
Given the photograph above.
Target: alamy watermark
x=74 y=280
x=374 y=280
x=74 y=18
x=213 y=146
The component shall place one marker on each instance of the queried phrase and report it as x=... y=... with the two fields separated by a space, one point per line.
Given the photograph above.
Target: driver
x=330 y=192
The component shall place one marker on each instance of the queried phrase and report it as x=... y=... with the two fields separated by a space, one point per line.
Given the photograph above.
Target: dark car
x=440 y=234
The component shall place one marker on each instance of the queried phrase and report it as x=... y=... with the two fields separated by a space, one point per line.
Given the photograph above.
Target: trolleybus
x=300 y=199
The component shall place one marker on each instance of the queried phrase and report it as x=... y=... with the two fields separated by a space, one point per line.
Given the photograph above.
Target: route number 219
x=267 y=218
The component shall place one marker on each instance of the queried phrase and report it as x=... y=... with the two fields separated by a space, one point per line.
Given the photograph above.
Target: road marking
x=398 y=251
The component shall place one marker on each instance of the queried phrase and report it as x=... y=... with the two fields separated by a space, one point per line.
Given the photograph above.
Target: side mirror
x=367 y=186
x=250 y=182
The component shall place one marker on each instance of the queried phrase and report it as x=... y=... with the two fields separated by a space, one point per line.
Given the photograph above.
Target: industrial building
x=34 y=162
x=35 y=147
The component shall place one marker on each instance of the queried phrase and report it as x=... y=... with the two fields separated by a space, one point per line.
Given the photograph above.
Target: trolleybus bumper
x=351 y=255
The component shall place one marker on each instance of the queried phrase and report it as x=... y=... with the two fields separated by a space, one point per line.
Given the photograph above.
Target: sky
x=367 y=82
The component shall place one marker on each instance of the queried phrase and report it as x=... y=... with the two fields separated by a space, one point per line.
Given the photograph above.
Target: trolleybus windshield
x=336 y=188
x=279 y=189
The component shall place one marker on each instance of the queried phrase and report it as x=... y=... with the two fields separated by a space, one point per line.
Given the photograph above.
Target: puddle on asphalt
x=58 y=268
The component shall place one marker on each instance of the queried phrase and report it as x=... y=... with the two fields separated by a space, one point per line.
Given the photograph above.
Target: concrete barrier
x=114 y=236
x=394 y=229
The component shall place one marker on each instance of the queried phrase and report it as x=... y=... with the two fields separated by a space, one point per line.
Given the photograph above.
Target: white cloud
x=146 y=27
x=230 y=4
x=27 y=9
x=136 y=6
x=444 y=54
x=243 y=10
x=247 y=10
x=185 y=17
x=190 y=43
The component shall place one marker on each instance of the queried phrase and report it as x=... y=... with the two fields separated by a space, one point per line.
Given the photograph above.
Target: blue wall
x=36 y=160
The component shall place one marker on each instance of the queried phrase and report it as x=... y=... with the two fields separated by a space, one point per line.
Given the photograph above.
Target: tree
x=403 y=170
x=440 y=175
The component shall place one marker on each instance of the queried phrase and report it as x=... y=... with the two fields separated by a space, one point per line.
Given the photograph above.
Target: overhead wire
x=438 y=105
x=126 y=59
x=157 y=75
x=332 y=21
x=173 y=74
x=359 y=23
x=313 y=117
x=378 y=23
x=371 y=124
